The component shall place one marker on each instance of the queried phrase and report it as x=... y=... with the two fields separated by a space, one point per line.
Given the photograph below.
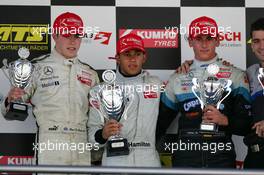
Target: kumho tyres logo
x=36 y=34
x=154 y=38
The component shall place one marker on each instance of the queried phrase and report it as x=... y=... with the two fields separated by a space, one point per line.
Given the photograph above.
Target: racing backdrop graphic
x=162 y=25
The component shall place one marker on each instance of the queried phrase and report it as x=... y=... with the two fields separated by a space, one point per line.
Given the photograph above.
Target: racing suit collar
x=121 y=78
x=61 y=59
x=198 y=63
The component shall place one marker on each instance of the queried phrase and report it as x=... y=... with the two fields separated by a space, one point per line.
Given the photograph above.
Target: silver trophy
x=261 y=77
x=112 y=102
x=19 y=74
x=210 y=91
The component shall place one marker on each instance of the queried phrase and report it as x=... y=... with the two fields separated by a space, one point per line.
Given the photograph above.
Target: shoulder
x=153 y=79
x=87 y=67
x=40 y=59
x=252 y=69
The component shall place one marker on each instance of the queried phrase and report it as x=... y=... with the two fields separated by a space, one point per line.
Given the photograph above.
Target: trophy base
x=117 y=147
x=197 y=133
x=17 y=111
x=208 y=127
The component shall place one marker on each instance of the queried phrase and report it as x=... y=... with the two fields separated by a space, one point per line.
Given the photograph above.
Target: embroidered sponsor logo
x=150 y=94
x=84 y=80
x=223 y=74
x=54 y=128
x=223 y=69
x=49 y=78
x=48 y=70
x=191 y=104
x=139 y=144
x=67 y=129
x=55 y=83
x=187 y=84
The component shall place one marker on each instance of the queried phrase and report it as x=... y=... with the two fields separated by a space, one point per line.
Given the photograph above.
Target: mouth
x=132 y=66
x=71 y=49
x=204 y=51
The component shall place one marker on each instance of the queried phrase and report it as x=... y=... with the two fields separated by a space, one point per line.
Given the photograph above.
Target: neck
x=262 y=63
x=125 y=75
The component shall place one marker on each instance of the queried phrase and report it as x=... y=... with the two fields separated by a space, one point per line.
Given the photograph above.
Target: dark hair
x=257 y=25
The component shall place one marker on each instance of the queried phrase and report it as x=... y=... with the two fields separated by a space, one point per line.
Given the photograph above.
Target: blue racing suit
x=195 y=149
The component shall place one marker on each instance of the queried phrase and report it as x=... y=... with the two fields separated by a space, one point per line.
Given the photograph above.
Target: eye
x=209 y=38
x=127 y=54
x=139 y=53
x=255 y=41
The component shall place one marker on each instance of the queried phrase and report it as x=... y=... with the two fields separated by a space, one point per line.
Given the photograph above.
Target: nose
x=72 y=38
x=204 y=42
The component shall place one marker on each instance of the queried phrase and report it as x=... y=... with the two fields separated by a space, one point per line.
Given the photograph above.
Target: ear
x=251 y=45
x=144 y=58
x=118 y=59
x=190 y=41
x=55 y=36
x=217 y=42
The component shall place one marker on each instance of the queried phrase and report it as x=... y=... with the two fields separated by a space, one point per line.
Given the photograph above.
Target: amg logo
x=23 y=34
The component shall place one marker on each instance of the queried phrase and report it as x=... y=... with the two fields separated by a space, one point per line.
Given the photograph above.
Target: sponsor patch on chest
x=84 y=77
x=150 y=94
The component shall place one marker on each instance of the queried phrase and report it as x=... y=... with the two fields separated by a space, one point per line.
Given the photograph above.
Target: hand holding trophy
x=112 y=102
x=19 y=74
x=211 y=91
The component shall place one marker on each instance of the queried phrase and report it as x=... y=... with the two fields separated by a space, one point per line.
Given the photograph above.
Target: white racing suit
x=59 y=96
x=139 y=127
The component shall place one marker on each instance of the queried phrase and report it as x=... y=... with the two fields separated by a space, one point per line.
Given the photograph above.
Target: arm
x=167 y=111
x=240 y=118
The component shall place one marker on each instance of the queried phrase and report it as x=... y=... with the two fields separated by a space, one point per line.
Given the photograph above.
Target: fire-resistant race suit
x=255 y=144
x=59 y=96
x=140 y=125
x=192 y=148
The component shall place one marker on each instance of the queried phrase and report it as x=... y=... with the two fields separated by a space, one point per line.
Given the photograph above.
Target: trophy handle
x=91 y=99
x=228 y=89
x=5 y=66
x=259 y=77
x=194 y=87
x=131 y=97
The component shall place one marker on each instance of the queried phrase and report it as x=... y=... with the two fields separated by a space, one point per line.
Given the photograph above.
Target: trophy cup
x=210 y=91
x=19 y=74
x=261 y=77
x=112 y=102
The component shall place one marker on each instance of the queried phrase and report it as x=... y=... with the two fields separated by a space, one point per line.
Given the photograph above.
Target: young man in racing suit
x=255 y=141
x=59 y=96
x=140 y=125
x=193 y=148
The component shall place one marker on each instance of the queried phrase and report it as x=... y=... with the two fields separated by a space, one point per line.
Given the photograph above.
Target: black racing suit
x=255 y=156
